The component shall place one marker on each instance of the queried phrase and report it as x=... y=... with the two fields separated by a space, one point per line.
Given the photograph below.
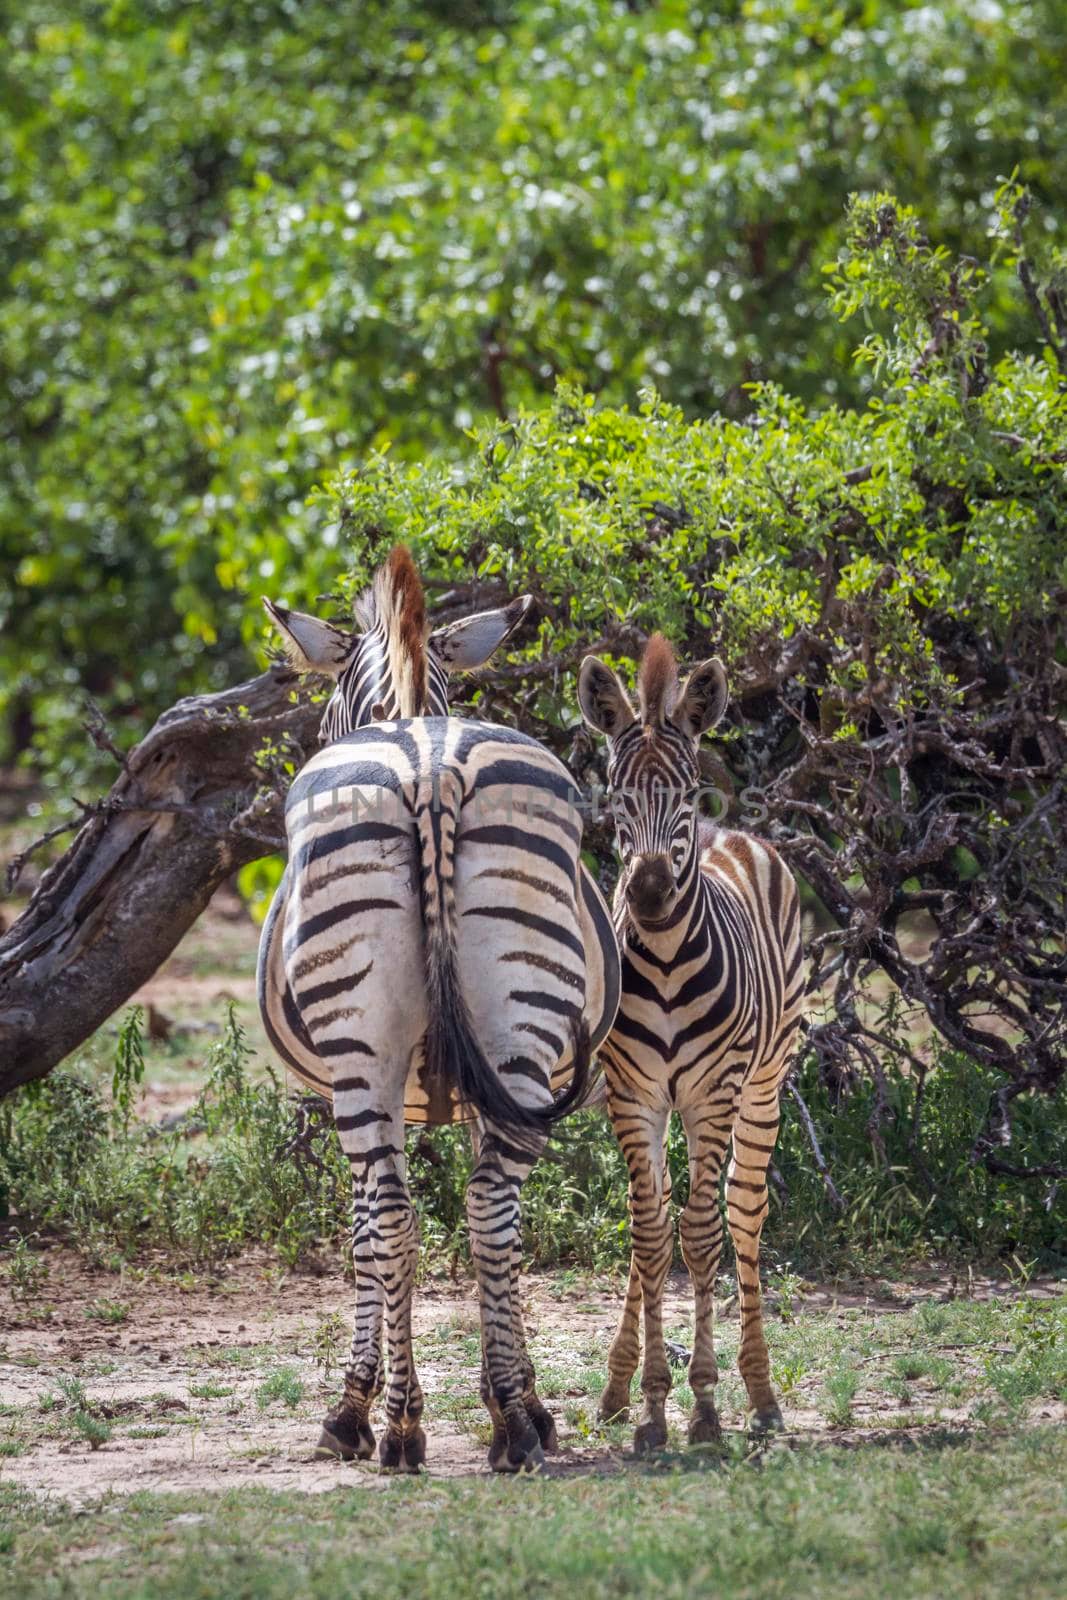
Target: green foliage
x=80 y=1416
x=238 y=244
x=920 y=1192
x=26 y=1271
x=109 y=1311
x=234 y=1176
x=284 y=1385
x=733 y=529
x=841 y=1387
x=129 y=1066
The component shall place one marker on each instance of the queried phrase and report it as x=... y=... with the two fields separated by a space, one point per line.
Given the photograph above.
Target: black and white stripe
x=709 y=928
x=435 y=950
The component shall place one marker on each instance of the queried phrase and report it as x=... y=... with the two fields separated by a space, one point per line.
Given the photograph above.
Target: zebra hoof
x=545 y=1424
x=522 y=1451
x=767 y=1420
x=532 y=1461
x=345 y=1439
x=402 y=1452
x=612 y=1408
x=650 y=1436
x=705 y=1428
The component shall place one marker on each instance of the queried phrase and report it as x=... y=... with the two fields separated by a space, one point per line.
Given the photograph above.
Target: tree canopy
x=240 y=244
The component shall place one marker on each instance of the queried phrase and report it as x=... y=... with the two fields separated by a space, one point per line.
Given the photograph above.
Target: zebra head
x=393 y=664
x=653 y=771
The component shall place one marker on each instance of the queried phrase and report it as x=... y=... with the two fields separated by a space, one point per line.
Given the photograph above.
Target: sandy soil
x=230 y=1333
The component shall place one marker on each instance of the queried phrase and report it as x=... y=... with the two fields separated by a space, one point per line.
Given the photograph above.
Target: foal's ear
x=311 y=645
x=703 y=699
x=471 y=641
x=604 y=702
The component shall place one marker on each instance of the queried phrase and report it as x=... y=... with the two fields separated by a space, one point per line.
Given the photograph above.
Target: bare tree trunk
x=194 y=802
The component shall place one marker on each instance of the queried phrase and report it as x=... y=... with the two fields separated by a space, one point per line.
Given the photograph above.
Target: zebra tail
x=453 y=1054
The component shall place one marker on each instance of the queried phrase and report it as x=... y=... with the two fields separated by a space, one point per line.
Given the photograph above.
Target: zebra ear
x=311 y=645
x=472 y=640
x=703 y=699
x=604 y=702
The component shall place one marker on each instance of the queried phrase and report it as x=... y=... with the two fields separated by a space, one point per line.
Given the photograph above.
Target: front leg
x=625 y=1353
x=641 y=1131
x=707 y=1129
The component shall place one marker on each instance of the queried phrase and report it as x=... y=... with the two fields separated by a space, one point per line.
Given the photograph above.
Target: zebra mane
x=657 y=681
x=395 y=606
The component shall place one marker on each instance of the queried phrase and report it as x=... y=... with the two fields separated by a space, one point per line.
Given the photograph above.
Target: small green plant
x=128 y=1072
x=788 y=1375
x=27 y=1272
x=284 y=1384
x=840 y=1387
x=786 y=1286
x=910 y=1367
x=329 y=1343
x=933 y=1318
x=72 y=1391
x=109 y=1311
x=92 y=1428
x=210 y=1391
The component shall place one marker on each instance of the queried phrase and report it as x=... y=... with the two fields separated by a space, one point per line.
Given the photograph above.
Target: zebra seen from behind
x=712 y=984
x=435 y=950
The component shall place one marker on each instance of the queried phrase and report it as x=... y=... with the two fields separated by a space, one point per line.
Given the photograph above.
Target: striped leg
x=346 y=1432
x=507 y=1372
x=707 y=1129
x=746 y=1207
x=641 y=1130
x=626 y=1349
x=540 y=1415
x=372 y=1136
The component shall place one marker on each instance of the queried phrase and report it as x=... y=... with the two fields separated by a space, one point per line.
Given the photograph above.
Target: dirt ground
x=184 y=1379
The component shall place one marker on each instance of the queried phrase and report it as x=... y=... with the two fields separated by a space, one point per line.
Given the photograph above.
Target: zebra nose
x=650 y=888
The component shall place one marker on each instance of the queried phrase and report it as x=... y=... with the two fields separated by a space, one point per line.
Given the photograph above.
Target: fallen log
x=199 y=797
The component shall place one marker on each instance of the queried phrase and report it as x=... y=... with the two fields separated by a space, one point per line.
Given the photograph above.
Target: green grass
x=947 y=1519
x=285 y=1385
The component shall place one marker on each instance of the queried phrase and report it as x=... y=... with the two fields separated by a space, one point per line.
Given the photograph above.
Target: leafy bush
x=238 y=1172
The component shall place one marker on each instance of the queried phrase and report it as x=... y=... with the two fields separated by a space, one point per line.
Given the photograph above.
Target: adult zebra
x=709 y=926
x=435 y=950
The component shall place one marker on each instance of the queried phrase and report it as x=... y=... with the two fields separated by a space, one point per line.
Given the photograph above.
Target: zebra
x=435 y=951
x=712 y=984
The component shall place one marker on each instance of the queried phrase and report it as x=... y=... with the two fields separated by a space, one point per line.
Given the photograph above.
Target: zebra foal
x=712 y=982
x=435 y=950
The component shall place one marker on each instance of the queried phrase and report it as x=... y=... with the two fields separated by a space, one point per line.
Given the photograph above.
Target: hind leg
x=641 y=1131
x=507 y=1372
x=372 y=1137
x=540 y=1415
x=346 y=1432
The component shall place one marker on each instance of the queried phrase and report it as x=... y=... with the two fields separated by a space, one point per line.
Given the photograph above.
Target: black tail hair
x=453 y=1054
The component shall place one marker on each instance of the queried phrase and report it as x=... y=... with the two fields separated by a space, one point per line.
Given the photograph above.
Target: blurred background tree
x=242 y=244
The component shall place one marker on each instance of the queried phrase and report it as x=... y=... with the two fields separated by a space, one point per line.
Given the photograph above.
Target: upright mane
x=395 y=604
x=657 y=681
